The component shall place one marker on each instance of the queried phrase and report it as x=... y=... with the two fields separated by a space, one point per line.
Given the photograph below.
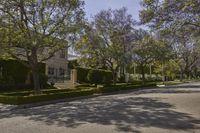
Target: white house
x=57 y=66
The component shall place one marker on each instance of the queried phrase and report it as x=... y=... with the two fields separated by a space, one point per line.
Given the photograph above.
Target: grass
x=26 y=96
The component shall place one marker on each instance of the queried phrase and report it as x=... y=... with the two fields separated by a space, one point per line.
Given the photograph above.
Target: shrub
x=14 y=74
x=43 y=80
x=25 y=97
x=72 y=64
x=82 y=74
x=99 y=76
x=121 y=79
x=95 y=76
x=107 y=77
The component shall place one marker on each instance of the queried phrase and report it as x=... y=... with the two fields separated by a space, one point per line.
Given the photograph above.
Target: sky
x=92 y=7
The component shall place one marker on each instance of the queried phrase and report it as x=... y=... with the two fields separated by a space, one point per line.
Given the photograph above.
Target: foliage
x=121 y=79
x=36 y=30
x=26 y=98
x=72 y=64
x=82 y=74
x=171 y=69
x=94 y=76
x=171 y=13
x=148 y=49
x=106 y=41
x=14 y=73
x=177 y=22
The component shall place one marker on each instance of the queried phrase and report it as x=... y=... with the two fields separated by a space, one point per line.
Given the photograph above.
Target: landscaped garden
x=116 y=54
x=18 y=97
x=91 y=81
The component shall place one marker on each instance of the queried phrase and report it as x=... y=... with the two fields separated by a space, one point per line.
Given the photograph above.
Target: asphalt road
x=161 y=110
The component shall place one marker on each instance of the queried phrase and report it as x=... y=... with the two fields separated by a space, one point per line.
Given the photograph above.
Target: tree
x=35 y=29
x=180 y=22
x=148 y=49
x=171 y=68
x=185 y=47
x=95 y=77
x=107 y=40
x=143 y=51
x=171 y=13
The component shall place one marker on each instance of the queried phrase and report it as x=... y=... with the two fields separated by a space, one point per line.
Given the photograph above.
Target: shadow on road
x=125 y=113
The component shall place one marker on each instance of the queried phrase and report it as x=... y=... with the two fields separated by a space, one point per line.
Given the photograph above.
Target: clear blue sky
x=94 y=6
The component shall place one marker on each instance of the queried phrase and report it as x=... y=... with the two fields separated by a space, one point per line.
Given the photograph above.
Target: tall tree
x=143 y=51
x=107 y=40
x=167 y=13
x=35 y=29
x=185 y=47
x=180 y=21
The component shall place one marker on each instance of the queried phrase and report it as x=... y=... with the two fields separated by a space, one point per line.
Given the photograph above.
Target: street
x=161 y=110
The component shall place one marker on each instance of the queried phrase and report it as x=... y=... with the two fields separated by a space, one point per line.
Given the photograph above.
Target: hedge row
x=94 y=76
x=50 y=91
x=14 y=74
x=20 y=99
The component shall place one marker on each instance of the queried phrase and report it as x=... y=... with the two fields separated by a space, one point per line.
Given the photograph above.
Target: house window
x=50 y=71
x=61 y=72
x=62 y=54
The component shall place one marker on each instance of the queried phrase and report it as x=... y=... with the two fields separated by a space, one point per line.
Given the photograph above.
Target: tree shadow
x=123 y=111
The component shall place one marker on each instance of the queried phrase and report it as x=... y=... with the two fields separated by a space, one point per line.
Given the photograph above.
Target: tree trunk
x=36 y=81
x=35 y=70
x=163 y=73
x=143 y=73
x=187 y=72
x=114 y=77
x=181 y=76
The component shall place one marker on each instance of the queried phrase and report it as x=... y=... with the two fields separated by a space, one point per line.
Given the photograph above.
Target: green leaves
x=39 y=24
x=166 y=13
x=107 y=39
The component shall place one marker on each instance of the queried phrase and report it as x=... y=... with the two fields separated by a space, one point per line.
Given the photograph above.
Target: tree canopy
x=35 y=29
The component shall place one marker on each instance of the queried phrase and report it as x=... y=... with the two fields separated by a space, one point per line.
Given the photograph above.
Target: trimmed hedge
x=25 y=97
x=82 y=74
x=17 y=100
x=93 y=76
x=14 y=74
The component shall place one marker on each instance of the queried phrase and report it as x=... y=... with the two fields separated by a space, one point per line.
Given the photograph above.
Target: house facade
x=57 y=66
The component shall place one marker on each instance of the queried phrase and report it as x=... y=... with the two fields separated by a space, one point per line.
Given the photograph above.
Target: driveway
x=162 y=110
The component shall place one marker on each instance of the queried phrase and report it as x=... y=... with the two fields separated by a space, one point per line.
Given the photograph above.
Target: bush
x=43 y=80
x=82 y=74
x=17 y=100
x=121 y=79
x=107 y=77
x=94 y=76
x=26 y=97
x=14 y=74
x=72 y=64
